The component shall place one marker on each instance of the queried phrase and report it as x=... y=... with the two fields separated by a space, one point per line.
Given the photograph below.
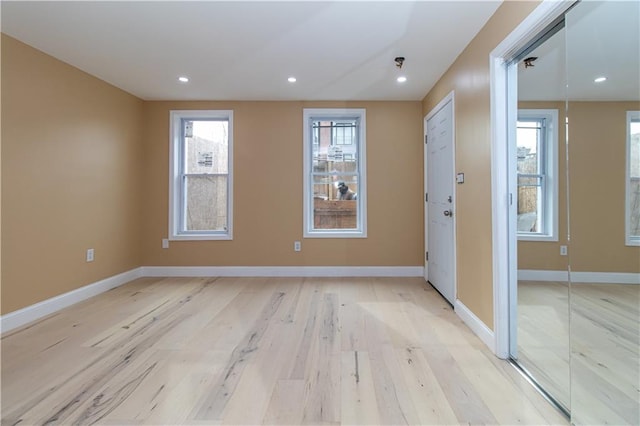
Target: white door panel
x=439 y=221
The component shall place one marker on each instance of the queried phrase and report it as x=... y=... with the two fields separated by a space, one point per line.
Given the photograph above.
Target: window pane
x=528 y=139
x=206 y=203
x=634 y=175
x=528 y=208
x=336 y=141
x=334 y=202
x=207 y=148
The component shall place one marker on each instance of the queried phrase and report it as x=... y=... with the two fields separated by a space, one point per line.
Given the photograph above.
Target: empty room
x=320 y=212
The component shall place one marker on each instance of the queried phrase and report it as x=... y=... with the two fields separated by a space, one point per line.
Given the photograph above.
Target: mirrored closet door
x=576 y=151
x=603 y=93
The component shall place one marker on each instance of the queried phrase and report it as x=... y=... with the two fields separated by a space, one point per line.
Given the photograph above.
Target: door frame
x=503 y=112
x=450 y=97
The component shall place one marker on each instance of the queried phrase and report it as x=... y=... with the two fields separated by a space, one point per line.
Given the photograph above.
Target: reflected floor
x=605 y=330
x=543 y=335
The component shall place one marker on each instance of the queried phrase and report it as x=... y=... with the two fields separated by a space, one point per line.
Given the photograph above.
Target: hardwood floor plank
x=209 y=351
x=218 y=395
x=358 y=404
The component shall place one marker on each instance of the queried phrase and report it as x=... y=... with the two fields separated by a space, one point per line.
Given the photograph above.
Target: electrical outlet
x=165 y=243
x=563 y=250
x=89 y=255
x=297 y=246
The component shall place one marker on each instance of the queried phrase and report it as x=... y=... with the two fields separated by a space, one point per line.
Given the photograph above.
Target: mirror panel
x=603 y=40
x=543 y=290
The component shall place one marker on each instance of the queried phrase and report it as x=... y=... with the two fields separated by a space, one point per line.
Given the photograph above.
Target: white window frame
x=330 y=114
x=549 y=222
x=630 y=240
x=176 y=199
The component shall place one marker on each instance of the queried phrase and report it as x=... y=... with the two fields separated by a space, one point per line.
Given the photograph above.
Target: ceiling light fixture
x=600 y=79
x=292 y=80
x=401 y=79
x=183 y=79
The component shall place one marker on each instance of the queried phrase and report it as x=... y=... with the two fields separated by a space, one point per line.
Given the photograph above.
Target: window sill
x=201 y=237
x=632 y=242
x=539 y=237
x=335 y=234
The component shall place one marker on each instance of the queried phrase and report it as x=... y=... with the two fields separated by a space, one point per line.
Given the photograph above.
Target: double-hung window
x=537 y=174
x=633 y=179
x=201 y=186
x=334 y=173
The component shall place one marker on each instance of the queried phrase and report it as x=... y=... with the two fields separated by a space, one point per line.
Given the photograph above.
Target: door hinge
x=425 y=138
x=426 y=255
x=511 y=198
x=426 y=197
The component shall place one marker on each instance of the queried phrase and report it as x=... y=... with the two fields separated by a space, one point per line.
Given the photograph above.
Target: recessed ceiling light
x=292 y=80
x=401 y=79
x=183 y=79
x=600 y=79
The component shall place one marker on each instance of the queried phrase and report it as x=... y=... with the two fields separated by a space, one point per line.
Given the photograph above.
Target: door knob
x=448 y=213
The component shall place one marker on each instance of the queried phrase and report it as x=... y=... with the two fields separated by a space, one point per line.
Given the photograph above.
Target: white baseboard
x=537 y=275
x=476 y=325
x=580 y=277
x=605 y=277
x=283 y=271
x=23 y=316
x=41 y=309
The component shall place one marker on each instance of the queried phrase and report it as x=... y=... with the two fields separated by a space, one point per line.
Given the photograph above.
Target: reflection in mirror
x=543 y=292
x=603 y=73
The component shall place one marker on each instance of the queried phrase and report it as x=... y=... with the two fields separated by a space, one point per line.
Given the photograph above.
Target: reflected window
x=633 y=179
x=537 y=169
x=334 y=173
x=201 y=175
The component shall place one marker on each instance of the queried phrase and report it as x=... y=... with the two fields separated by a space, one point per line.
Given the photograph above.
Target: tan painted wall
x=268 y=189
x=545 y=255
x=71 y=169
x=469 y=77
x=597 y=152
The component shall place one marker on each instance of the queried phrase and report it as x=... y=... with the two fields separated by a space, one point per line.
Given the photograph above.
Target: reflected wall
x=603 y=74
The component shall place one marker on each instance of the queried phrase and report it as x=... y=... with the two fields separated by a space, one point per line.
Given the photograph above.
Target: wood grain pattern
x=261 y=351
x=584 y=348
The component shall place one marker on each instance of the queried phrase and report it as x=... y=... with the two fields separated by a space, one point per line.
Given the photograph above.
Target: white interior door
x=439 y=199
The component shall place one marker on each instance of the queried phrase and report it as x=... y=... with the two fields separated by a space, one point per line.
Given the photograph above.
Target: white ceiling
x=240 y=50
x=599 y=39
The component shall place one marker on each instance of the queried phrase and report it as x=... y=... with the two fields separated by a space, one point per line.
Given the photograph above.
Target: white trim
x=23 y=316
x=551 y=154
x=540 y=275
x=580 y=277
x=175 y=154
x=628 y=238
x=39 y=310
x=481 y=330
x=503 y=256
x=282 y=271
x=307 y=153
x=450 y=97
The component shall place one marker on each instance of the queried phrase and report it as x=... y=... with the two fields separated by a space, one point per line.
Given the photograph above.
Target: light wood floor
x=601 y=383
x=261 y=351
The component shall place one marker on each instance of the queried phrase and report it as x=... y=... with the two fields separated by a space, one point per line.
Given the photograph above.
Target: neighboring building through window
x=537 y=169
x=633 y=179
x=334 y=173
x=201 y=187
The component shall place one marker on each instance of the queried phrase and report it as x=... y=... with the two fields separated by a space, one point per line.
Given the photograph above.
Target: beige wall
x=597 y=161
x=545 y=255
x=469 y=78
x=71 y=170
x=268 y=189
x=597 y=153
